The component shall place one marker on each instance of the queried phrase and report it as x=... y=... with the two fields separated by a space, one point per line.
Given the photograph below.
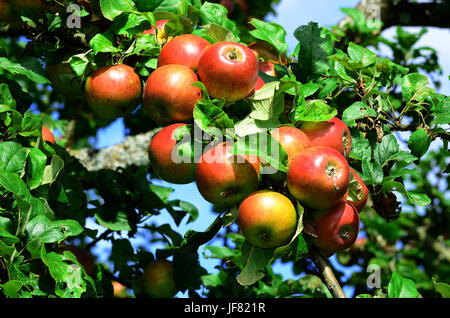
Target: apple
x=259 y=84
x=364 y=192
x=158 y=280
x=292 y=139
x=47 y=135
x=64 y=80
x=225 y=179
x=228 y=70
x=336 y=228
x=113 y=91
x=169 y=95
x=83 y=257
x=161 y=37
x=332 y=133
x=161 y=153
x=184 y=49
x=267 y=68
x=267 y=219
x=318 y=177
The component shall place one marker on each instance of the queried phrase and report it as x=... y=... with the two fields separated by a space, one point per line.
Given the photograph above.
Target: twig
x=326 y=271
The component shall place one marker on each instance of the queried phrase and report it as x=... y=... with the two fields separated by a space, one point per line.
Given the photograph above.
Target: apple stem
x=326 y=271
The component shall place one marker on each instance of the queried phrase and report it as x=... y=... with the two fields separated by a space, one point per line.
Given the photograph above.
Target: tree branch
x=326 y=271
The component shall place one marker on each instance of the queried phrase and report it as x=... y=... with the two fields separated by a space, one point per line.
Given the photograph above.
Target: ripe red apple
x=225 y=179
x=113 y=91
x=184 y=49
x=267 y=68
x=47 y=135
x=161 y=153
x=267 y=219
x=318 y=177
x=158 y=279
x=64 y=80
x=332 y=133
x=336 y=227
x=359 y=204
x=228 y=70
x=161 y=37
x=169 y=95
x=259 y=84
x=83 y=257
x=292 y=139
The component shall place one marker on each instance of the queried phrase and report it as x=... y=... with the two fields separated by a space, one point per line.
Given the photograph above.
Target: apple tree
x=329 y=156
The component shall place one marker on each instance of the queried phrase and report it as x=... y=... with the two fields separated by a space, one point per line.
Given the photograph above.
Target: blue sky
x=290 y=14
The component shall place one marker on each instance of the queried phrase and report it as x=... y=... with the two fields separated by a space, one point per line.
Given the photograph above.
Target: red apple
x=228 y=70
x=158 y=280
x=113 y=91
x=169 y=95
x=161 y=37
x=318 y=177
x=47 y=135
x=292 y=139
x=225 y=179
x=267 y=219
x=161 y=153
x=363 y=191
x=332 y=133
x=259 y=84
x=336 y=227
x=267 y=68
x=64 y=80
x=184 y=49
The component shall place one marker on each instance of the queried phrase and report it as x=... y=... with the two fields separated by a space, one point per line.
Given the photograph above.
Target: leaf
x=113 y=8
x=51 y=171
x=13 y=157
x=356 y=111
x=36 y=163
x=314 y=110
x=372 y=172
x=264 y=146
x=442 y=288
x=442 y=111
x=400 y=287
x=13 y=183
x=206 y=115
x=5 y=235
x=361 y=54
x=219 y=33
x=42 y=229
x=255 y=260
x=386 y=149
x=216 y=13
x=103 y=43
x=36 y=76
x=315 y=47
x=414 y=87
x=11 y=288
x=415 y=198
x=419 y=142
x=272 y=33
x=116 y=222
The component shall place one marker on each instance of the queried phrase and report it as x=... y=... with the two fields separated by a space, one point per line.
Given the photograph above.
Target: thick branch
x=326 y=271
x=132 y=151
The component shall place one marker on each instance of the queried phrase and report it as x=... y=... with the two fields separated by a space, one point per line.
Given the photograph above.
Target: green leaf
x=400 y=287
x=255 y=260
x=206 y=115
x=216 y=13
x=36 y=75
x=13 y=183
x=12 y=157
x=386 y=149
x=5 y=234
x=113 y=8
x=116 y=222
x=356 y=111
x=442 y=111
x=414 y=87
x=36 y=163
x=372 y=172
x=361 y=54
x=415 y=198
x=11 y=288
x=442 y=288
x=265 y=147
x=419 y=142
x=270 y=32
x=361 y=149
x=51 y=171
x=315 y=47
x=219 y=33
x=314 y=110
x=103 y=43
x=42 y=229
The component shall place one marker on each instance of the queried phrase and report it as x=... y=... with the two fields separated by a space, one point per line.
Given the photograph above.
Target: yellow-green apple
x=225 y=179
x=113 y=91
x=318 y=177
x=333 y=133
x=184 y=49
x=158 y=279
x=229 y=70
x=267 y=219
x=169 y=96
x=166 y=153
